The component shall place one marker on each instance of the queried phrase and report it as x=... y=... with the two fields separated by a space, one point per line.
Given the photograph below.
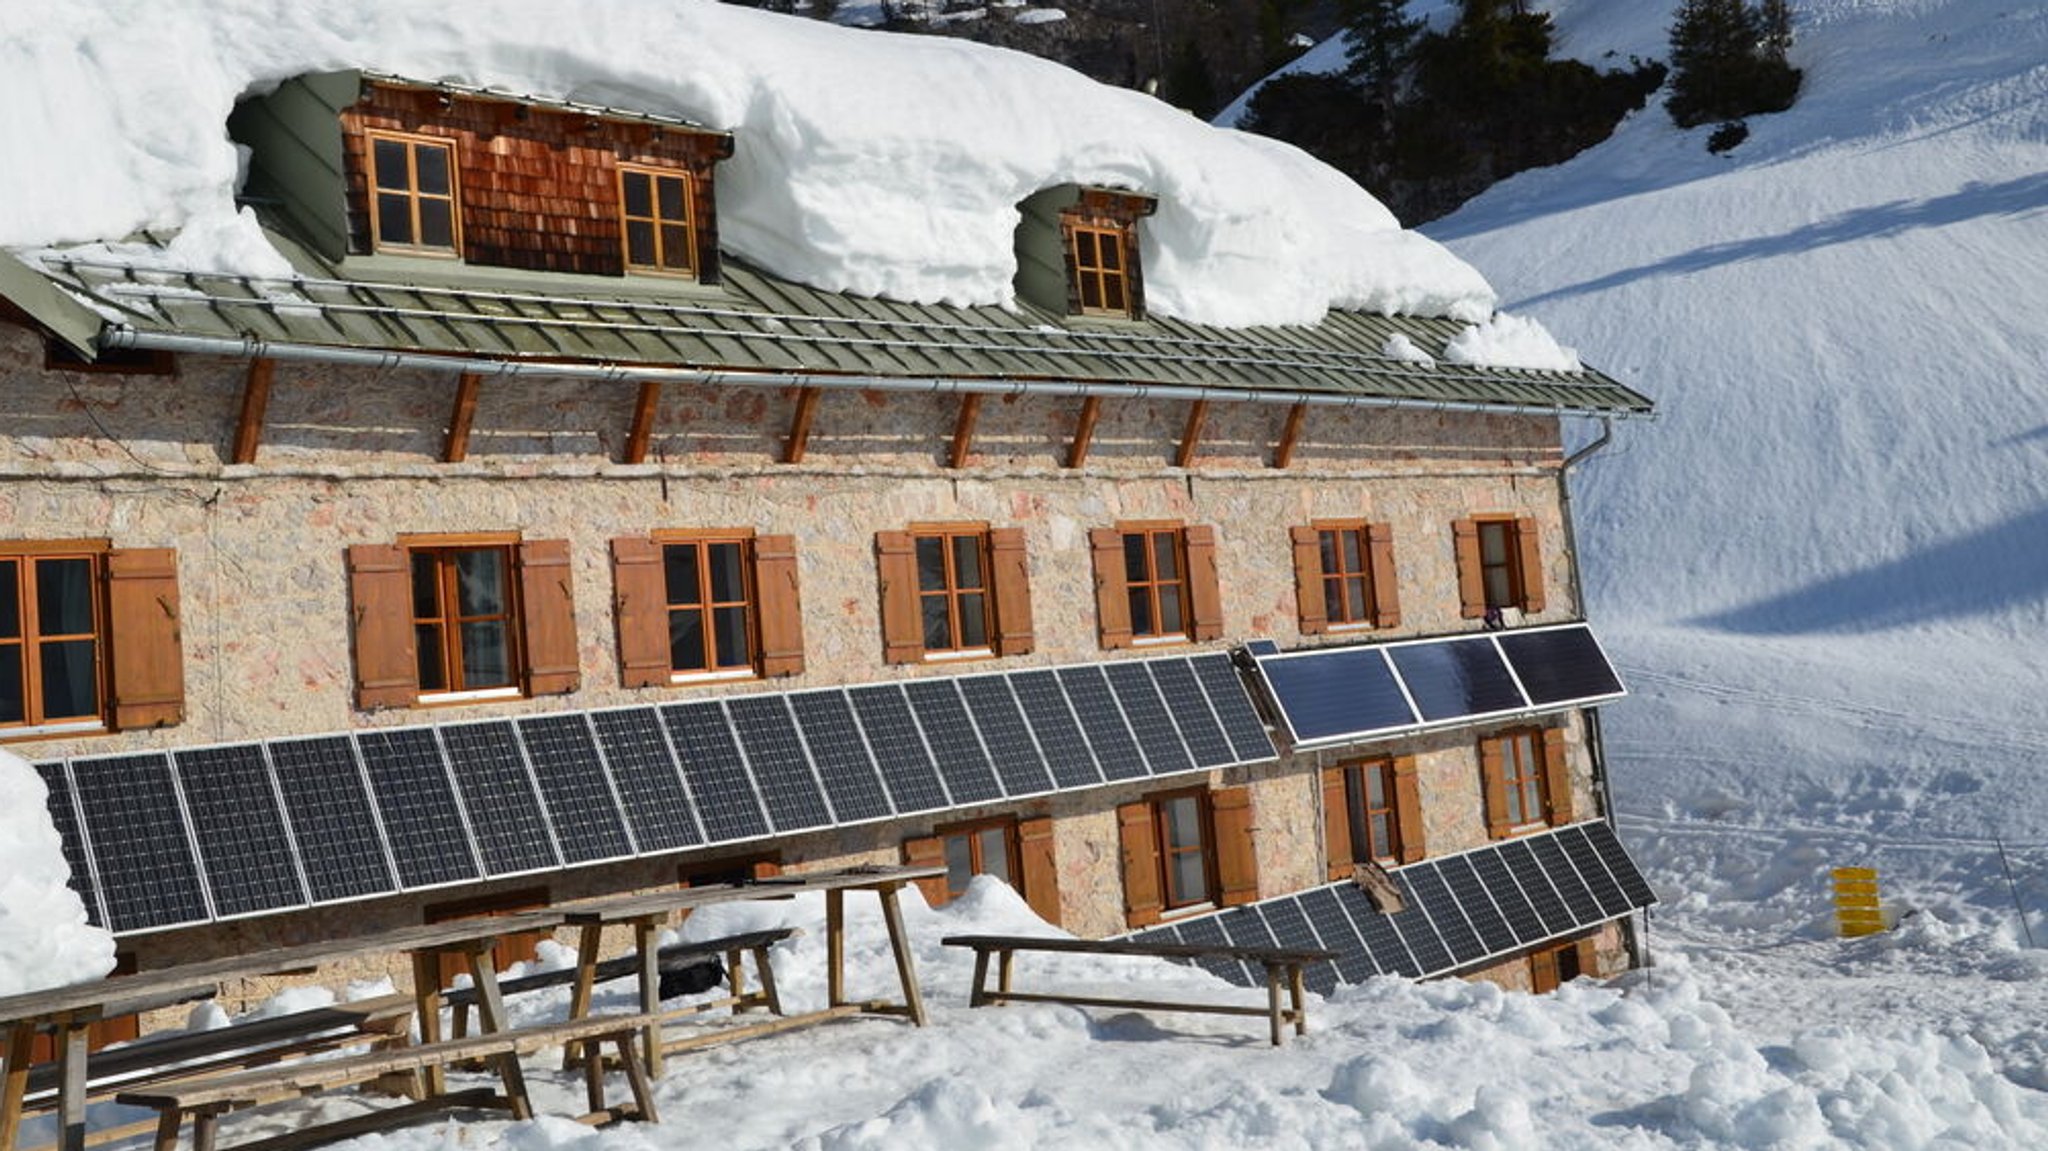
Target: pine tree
x=1774 y=21
x=1722 y=67
x=1382 y=44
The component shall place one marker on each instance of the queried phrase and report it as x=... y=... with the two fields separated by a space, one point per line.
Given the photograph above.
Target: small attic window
x=1077 y=251
x=1096 y=247
x=413 y=183
x=660 y=234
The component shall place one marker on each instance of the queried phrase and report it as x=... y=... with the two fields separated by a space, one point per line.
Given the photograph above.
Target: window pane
x=1183 y=821
x=931 y=563
x=431 y=163
x=1189 y=878
x=959 y=863
x=10 y=599
x=1328 y=541
x=728 y=573
x=731 y=635
x=1109 y=249
x=1354 y=590
x=64 y=597
x=974 y=620
x=1375 y=787
x=427 y=642
x=13 y=694
x=638 y=194
x=394 y=219
x=1170 y=622
x=480 y=583
x=426 y=585
x=995 y=853
x=640 y=242
x=1166 y=555
x=70 y=690
x=1134 y=558
x=1091 y=291
x=388 y=158
x=686 y=641
x=1141 y=613
x=967 y=561
x=675 y=246
x=1498 y=594
x=671 y=197
x=1382 y=836
x=437 y=223
x=1084 y=250
x=1333 y=602
x=1354 y=560
x=1493 y=543
x=486 y=655
x=1113 y=293
x=938 y=625
x=679 y=572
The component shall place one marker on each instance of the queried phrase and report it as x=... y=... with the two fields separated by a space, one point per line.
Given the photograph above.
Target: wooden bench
x=672 y=959
x=1283 y=969
x=205 y=1100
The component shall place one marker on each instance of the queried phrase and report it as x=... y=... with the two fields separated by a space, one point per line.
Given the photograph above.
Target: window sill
x=1362 y=625
x=55 y=730
x=1191 y=909
x=1159 y=640
x=428 y=699
x=959 y=654
x=730 y=675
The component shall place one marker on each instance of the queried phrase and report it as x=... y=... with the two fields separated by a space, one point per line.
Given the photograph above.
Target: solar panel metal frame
x=792 y=774
x=498 y=826
x=1038 y=782
x=673 y=723
x=290 y=846
x=77 y=849
x=971 y=779
x=374 y=830
x=1161 y=739
x=579 y=721
x=391 y=839
x=638 y=803
x=869 y=767
x=1508 y=641
x=183 y=836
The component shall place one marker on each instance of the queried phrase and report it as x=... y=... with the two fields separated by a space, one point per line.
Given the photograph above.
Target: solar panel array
x=1460 y=911
x=1335 y=695
x=166 y=839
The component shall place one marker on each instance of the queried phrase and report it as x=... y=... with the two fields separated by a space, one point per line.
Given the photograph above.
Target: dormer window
x=1097 y=249
x=1077 y=251
x=659 y=234
x=413 y=178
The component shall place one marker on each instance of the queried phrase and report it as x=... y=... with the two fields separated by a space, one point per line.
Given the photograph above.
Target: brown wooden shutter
x=902 y=625
x=380 y=612
x=928 y=851
x=1386 y=584
x=1308 y=581
x=1140 y=849
x=1336 y=824
x=547 y=596
x=1237 y=860
x=1205 y=593
x=1493 y=778
x=1531 y=563
x=1010 y=572
x=1471 y=578
x=1408 y=810
x=1543 y=971
x=1039 y=865
x=640 y=611
x=1112 y=596
x=775 y=595
x=1557 y=777
x=147 y=659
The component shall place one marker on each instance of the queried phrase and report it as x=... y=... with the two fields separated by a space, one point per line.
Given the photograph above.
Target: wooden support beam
x=1191 y=436
x=642 y=432
x=457 y=448
x=255 y=399
x=1284 y=454
x=1084 y=431
x=963 y=431
x=800 y=426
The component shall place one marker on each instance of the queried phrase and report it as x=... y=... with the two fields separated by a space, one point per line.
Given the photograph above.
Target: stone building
x=524 y=546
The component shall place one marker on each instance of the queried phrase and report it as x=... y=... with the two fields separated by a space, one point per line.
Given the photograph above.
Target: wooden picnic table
x=647 y=913
x=69 y=1011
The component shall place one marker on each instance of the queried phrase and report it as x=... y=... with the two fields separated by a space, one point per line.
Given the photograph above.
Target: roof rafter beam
x=1084 y=431
x=1289 y=436
x=461 y=418
x=1191 y=435
x=255 y=401
x=800 y=425
x=642 y=432
x=963 y=429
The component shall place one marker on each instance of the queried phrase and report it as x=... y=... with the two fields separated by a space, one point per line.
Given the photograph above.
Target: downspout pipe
x=126 y=337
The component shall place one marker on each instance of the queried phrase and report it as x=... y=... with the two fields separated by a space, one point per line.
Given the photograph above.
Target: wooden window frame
x=1172 y=902
x=1512 y=777
x=1513 y=580
x=413 y=141
x=702 y=540
x=656 y=221
x=971 y=831
x=1102 y=232
x=26 y=645
x=449 y=622
x=952 y=592
x=1359 y=812
x=1363 y=614
x=1151 y=585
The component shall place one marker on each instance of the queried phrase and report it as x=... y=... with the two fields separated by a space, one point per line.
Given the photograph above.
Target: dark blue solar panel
x=1189 y=705
x=1208 y=930
x=907 y=769
x=782 y=773
x=1508 y=895
x=1494 y=933
x=1006 y=735
x=65 y=817
x=1560 y=665
x=644 y=770
x=1389 y=953
x=713 y=770
x=1528 y=871
x=844 y=765
x=505 y=816
x=1334 y=928
x=339 y=842
x=1234 y=708
x=1245 y=927
x=243 y=848
x=148 y=876
x=970 y=778
x=1158 y=738
x=1338 y=693
x=575 y=787
x=417 y=804
x=1635 y=891
x=1059 y=734
x=1435 y=898
x=1289 y=922
x=1585 y=908
x=1261 y=648
x=1088 y=690
x=1456 y=678
x=1421 y=937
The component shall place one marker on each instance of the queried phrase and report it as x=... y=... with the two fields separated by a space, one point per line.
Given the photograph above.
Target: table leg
x=899 y=942
x=71 y=1077
x=587 y=944
x=426 y=994
x=1273 y=1003
x=1299 y=995
x=766 y=970
x=835 y=946
x=14 y=1088
x=1005 y=970
x=491 y=1016
x=647 y=945
x=977 y=993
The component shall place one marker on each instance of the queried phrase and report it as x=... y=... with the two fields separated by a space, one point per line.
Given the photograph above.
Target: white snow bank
x=45 y=940
x=1506 y=341
x=867 y=162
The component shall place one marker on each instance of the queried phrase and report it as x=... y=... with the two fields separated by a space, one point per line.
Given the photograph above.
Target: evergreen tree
x=1774 y=21
x=1723 y=67
x=1382 y=44
x=1188 y=83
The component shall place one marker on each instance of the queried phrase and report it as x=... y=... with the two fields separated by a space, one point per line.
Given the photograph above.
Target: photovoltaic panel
x=1388 y=950
x=1421 y=936
x=331 y=818
x=1234 y=708
x=1059 y=734
x=1209 y=930
x=1457 y=679
x=1006 y=735
x=244 y=851
x=1337 y=693
x=970 y=778
x=417 y=804
x=512 y=832
x=1585 y=908
x=1441 y=906
x=148 y=876
x=1560 y=665
x=1336 y=932
x=1528 y=871
x=1189 y=706
x=1245 y=927
x=844 y=765
x=1158 y=738
x=575 y=787
x=1494 y=933
x=644 y=770
x=1289 y=922
x=1261 y=648
x=907 y=768
x=1587 y=868
x=65 y=817
x=1601 y=838
x=768 y=737
x=1103 y=722
x=1508 y=895
x=715 y=773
